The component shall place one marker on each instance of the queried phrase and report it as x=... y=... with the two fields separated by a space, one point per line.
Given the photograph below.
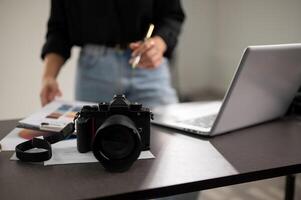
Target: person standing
x=110 y=34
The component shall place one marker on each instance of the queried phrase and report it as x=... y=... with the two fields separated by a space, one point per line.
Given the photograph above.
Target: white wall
x=196 y=46
x=241 y=23
x=22 y=31
x=215 y=33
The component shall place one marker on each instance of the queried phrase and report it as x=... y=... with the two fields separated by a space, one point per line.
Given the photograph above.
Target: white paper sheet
x=65 y=152
x=11 y=140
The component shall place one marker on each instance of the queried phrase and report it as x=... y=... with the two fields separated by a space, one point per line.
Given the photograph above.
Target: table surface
x=259 y=152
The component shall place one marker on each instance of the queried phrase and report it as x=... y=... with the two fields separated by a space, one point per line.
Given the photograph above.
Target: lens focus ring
x=117 y=143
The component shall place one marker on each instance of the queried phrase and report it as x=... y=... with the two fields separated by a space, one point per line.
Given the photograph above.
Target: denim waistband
x=93 y=49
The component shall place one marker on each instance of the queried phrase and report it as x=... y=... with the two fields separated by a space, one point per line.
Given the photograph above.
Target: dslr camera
x=116 y=132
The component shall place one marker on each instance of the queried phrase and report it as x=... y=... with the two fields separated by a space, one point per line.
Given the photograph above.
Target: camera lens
x=117 y=143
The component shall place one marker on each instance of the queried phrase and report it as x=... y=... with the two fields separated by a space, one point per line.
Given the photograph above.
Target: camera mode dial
x=103 y=106
x=90 y=108
x=135 y=106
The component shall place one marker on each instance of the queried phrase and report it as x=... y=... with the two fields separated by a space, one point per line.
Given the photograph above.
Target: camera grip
x=84 y=134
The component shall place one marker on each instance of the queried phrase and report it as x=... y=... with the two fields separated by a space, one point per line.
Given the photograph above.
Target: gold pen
x=148 y=35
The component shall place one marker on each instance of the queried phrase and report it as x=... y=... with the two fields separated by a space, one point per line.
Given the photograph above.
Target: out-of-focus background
x=213 y=39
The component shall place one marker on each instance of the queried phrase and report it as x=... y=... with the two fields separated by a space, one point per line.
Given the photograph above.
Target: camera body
x=116 y=132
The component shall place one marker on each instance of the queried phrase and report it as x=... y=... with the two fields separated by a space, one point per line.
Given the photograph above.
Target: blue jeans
x=103 y=72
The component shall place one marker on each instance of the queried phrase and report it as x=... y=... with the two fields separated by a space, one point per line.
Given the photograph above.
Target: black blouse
x=110 y=23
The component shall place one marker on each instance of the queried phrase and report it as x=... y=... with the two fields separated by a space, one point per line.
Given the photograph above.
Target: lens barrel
x=117 y=143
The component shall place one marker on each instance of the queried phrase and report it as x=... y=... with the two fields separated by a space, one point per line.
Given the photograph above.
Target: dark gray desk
x=260 y=152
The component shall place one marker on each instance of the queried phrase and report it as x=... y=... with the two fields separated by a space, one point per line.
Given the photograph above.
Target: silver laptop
x=264 y=85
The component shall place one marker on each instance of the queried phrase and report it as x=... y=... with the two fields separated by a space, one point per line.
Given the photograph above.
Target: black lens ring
x=125 y=139
x=117 y=164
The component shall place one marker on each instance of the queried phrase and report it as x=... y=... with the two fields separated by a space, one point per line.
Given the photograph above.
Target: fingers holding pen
x=151 y=58
x=150 y=52
x=139 y=48
x=145 y=58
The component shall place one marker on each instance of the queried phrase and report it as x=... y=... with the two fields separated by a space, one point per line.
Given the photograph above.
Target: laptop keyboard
x=204 y=121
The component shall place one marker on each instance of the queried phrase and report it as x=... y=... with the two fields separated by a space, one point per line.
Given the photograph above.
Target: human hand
x=50 y=89
x=151 y=52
